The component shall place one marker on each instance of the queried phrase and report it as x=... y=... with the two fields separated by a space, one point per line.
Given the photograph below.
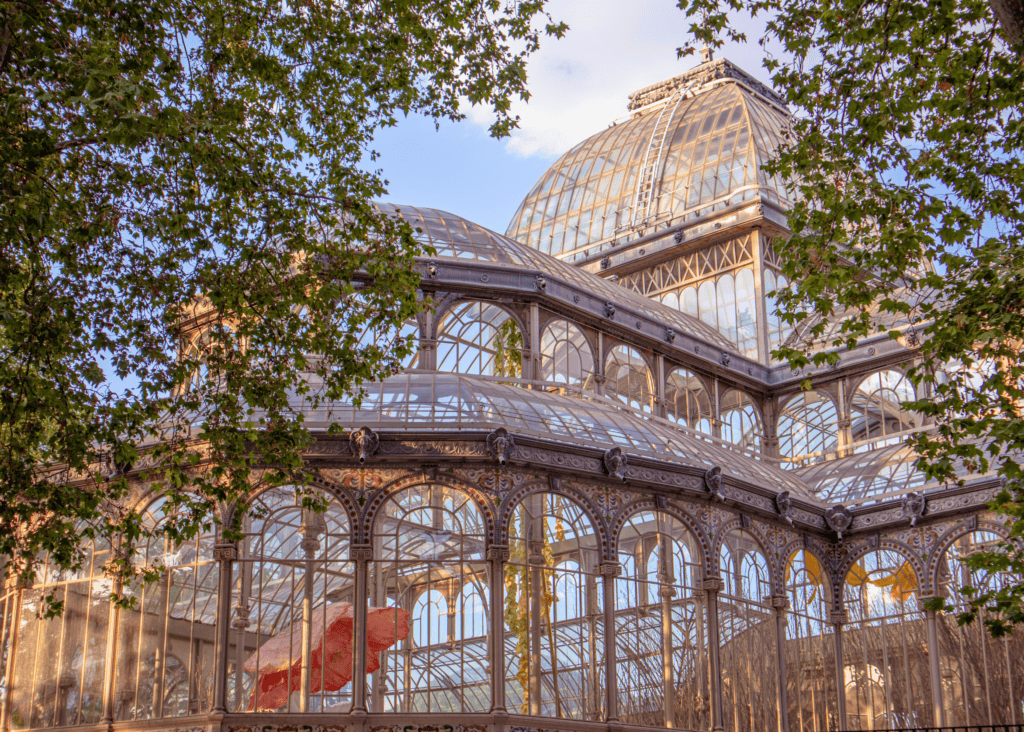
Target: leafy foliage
x=184 y=202
x=908 y=176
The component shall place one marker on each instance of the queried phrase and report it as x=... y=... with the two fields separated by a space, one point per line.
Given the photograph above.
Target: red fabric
x=384 y=628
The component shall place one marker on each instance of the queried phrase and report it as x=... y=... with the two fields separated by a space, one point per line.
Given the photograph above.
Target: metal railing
x=953 y=728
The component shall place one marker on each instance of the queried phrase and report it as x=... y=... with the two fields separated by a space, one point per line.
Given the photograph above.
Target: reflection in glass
x=877 y=409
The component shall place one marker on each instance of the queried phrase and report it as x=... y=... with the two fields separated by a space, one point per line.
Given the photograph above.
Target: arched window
x=565 y=355
x=429 y=563
x=293 y=571
x=885 y=654
x=378 y=340
x=688 y=401
x=660 y=625
x=810 y=646
x=748 y=636
x=553 y=611
x=628 y=378
x=741 y=420
x=876 y=411
x=808 y=424
x=982 y=676
x=59 y=664
x=481 y=339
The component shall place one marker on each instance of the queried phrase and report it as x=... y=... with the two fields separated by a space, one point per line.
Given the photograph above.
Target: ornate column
x=312 y=527
x=712 y=586
x=780 y=603
x=109 y=660
x=660 y=407
x=361 y=555
x=666 y=592
x=224 y=553
x=498 y=556
x=938 y=708
x=19 y=587
x=609 y=571
x=535 y=563
x=531 y=358
x=837 y=619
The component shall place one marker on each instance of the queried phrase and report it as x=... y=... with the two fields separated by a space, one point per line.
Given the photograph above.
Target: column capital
x=779 y=602
x=225 y=551
x=498 y=553
x=713 y=584
x=609 y=569
x=838 y=617
x=360 y=552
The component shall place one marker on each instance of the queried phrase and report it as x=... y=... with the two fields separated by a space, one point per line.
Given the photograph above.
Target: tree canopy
x=203 y=166
x=906 y=156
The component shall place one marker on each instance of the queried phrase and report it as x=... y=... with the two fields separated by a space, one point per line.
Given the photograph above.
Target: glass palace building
x=591 y=502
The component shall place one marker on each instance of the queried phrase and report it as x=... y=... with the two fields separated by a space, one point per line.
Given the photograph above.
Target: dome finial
x=706 y=54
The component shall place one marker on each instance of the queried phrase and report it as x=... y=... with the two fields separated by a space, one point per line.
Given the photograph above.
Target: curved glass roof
x=704 y=153
x=418 y=401
x=453 y=237
x=872 y=474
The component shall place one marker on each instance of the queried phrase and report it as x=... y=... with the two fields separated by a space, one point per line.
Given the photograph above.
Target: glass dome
x=677 y=158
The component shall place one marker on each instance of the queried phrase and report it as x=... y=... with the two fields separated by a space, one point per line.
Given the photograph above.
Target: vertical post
x=661 y=408
x=938 y=708
x=760 y=294
x=312 y=527
x=712 y=586
x=428 y=343
x=224 y=553
x=837 y=620
x=498 y=555
x=109 y=660
x=12 y=651
x=361 y=555
x=531 y=365
x=599 y=377
x=666 y=592
x=535 y=563
x=609 y=571
x=780 y=603
x=843 y=422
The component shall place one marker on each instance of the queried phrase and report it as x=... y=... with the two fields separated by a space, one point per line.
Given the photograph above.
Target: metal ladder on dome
x=648 y=170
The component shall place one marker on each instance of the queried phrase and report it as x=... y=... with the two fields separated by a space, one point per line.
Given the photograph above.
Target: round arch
x=480 y=337
x=688 y=399
x=629 y=376
x=807 y=423
x=669 y=508
x=566 y=490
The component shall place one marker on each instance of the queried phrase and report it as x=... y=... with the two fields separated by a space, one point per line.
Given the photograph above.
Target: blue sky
x=579 y=84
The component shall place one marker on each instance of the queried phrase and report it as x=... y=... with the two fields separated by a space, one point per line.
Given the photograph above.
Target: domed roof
x=695 y=143
x=453 y=237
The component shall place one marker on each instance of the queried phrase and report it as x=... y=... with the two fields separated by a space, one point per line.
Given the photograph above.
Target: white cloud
x=580 y=84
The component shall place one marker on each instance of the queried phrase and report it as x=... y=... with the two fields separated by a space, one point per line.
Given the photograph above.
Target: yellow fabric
x=902 y=583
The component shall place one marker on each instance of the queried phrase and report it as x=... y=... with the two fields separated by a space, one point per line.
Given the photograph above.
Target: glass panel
x=660 y=625
x=808 y=424
x=293 y=580
x=165 y=649
x=810 y=647
x=431 y=575
x=628 y=379
x=687 y=401
x=480 y=338
x=885 y=646
x=748 y=637
x=554 y=621
x=741 y=420
x=876 y=411
x=982 y=677
x=565 y=355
